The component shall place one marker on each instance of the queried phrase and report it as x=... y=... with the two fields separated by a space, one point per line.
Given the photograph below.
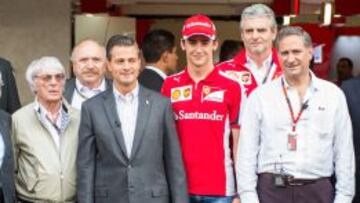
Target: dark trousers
x=1 y=196
x=320 y=191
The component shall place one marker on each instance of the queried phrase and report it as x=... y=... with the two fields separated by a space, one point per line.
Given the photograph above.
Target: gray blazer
x=7 y=167
x=154 y=173
x=70 y=88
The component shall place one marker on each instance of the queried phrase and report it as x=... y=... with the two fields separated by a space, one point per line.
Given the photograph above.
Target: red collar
x=212 y=76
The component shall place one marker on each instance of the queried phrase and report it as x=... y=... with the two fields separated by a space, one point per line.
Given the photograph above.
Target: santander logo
x=213 y=116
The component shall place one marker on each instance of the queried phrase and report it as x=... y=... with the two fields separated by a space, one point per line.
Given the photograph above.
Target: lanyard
x=268 y=72
x=303 y=107
x=81 y=94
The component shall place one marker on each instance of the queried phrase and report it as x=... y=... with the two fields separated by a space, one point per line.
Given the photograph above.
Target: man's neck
x=300 y=83
x=51 y=107
x=124 y=89
x=200 y=73
x=259 y=58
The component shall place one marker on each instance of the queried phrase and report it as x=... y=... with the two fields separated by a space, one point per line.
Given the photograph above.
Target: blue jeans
x=210 y=199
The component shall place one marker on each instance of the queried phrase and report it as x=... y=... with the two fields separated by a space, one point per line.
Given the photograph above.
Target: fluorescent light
x=327 y=13
x=286 y=20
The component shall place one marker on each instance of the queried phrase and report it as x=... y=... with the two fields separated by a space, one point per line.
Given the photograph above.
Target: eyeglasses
x=47 y=77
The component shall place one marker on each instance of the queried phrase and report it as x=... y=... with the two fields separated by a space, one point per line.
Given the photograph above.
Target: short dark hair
x=229 y=49
x=348 y=60
x=155 y=43
x=119 y=40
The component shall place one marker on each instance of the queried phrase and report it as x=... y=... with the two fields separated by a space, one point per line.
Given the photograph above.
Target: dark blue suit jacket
x=9 y=100
x=351 y=89
x=7 y=167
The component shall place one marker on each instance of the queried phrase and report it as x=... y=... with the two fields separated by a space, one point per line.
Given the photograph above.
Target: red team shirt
x=236 y=69
x=205 y=113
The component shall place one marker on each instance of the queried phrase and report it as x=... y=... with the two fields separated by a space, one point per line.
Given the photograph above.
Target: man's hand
x=236 y=200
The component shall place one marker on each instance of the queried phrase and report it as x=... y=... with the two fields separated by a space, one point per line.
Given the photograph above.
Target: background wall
x=30 y=29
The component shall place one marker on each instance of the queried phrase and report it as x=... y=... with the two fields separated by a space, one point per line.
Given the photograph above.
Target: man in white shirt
x=296 y=134
x=89 y=64
x=159 y=52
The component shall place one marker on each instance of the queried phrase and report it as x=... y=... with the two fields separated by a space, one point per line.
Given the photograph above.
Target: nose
x=90 y=64
x=255 y=34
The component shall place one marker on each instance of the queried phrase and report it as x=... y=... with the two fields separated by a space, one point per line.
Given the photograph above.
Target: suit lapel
x=141 y=120
x=112 y=115
x=69 y=89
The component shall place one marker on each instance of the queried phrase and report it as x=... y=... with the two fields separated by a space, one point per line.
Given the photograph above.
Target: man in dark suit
x=89 y=64
x=129 y=150
x=159 y=51
x=7 y=186
x=351 y=89
x=9 y=100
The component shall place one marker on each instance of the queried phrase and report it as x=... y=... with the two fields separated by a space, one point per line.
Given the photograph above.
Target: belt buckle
x=291 y=181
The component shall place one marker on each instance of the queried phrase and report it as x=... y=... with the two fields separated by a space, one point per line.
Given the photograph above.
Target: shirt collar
x=133 y=94
x=42 y=111
x=212 y=76
x=82 y=87
x=314 y=83
x=157 y=70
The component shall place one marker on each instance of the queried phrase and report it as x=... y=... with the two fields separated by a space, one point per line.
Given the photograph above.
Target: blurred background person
x=159 y=52
x=344 y=70
x=44 y=136
x=351 y=89
x=229 y=48
x=89 y=65
x=9 y=100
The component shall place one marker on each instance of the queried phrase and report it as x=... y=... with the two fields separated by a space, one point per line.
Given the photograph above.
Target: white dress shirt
x=2 y=149
x=267 y=69
x=324 y=140
x=127 y=108
x=158 y=71
x=82 y=93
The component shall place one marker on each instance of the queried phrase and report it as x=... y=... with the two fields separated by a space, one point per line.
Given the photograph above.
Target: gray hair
x=258 y=10
x=293 y=30
x=73 y=53
x=122 y=40
x=43 y=64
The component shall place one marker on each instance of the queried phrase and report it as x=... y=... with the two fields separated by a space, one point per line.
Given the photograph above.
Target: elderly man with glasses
x=44 y=135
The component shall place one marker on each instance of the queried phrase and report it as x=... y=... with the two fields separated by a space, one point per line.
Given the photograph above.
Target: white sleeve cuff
x=342 y=199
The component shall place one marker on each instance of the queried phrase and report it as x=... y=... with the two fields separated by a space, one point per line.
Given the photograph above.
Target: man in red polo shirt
x=206 y=106
x=258 y=62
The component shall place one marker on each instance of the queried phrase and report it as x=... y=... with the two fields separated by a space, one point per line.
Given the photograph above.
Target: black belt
x=291 y=181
